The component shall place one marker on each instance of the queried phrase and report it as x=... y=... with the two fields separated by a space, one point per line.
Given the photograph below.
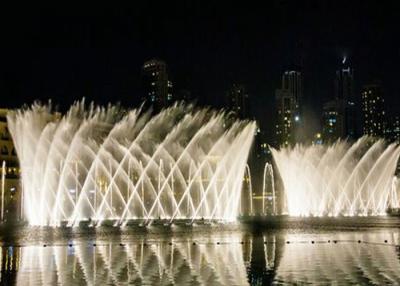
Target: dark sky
x=65 y=53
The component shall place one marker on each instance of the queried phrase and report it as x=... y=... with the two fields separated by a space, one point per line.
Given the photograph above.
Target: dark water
x=320 y=252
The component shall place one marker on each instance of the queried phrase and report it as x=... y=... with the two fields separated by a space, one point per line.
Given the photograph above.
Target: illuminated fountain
x=341 y=179
x=247 y=194
x=105 y=164
x=268 y=191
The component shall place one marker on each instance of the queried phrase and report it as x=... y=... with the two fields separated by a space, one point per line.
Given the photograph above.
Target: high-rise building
x=344 y=82
x=288 y=108
x=346 y=103
x=332 y=121
x=292 y=81
x=237 y=101
x=373 y=110
x=9 y=168
x=156 y=84
x=392 y=132
x=285 y=108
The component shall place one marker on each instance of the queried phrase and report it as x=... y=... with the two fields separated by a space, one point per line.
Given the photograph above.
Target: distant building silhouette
x=285 y=106
x=292 y=81
x=157 y=87
x=346 y=103
x=373 y=110
x=332 y=121
x=288 y=101
x=339 y=117
x=237 y=101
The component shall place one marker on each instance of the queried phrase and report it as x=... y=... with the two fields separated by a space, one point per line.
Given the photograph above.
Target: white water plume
x=341 y=179
x=103 y=163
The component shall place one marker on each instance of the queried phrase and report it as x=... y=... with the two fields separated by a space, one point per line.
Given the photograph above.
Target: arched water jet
x=103 y=164
x=394 y=194
x=341 y=179
x=274 y=210
x=268 y=169
x=248 y=180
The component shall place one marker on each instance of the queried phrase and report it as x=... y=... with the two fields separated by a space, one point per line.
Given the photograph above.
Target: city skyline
x=65 y=54
x=159 y=92
x=200 y=143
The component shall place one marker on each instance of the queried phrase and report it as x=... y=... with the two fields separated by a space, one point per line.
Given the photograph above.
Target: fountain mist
x=341 y=179
x=101 y=163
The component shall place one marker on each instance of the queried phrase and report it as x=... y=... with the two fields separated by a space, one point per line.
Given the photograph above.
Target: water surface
x=300 y=252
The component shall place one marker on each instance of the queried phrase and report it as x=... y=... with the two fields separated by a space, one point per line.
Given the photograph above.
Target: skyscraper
x=332 y=127
x=285 y=108
x=237 y=101
x=156 y=84
x=373 y=110
x=344 y=81
x=292 y=81
x=288 y=108
x=346 y=103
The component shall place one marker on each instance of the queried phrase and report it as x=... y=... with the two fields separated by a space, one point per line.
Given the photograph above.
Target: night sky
x=66 y=53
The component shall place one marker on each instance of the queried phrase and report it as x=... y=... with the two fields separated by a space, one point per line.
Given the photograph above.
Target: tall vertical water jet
x=268 y=197
x=394 y=196
x=341 y=179
x=248 y=191
x=104 y=163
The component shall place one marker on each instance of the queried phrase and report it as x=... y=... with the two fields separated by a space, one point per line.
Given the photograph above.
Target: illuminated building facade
x=373 y=110
x=285 y=106
x=288 y=108
x=332 y=121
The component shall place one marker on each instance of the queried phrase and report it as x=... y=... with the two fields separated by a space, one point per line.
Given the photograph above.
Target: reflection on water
x=372 y=261
x=236 y=258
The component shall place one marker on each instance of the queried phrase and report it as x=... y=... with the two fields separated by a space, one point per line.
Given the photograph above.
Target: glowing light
x=341 y=179
x=106 y=164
